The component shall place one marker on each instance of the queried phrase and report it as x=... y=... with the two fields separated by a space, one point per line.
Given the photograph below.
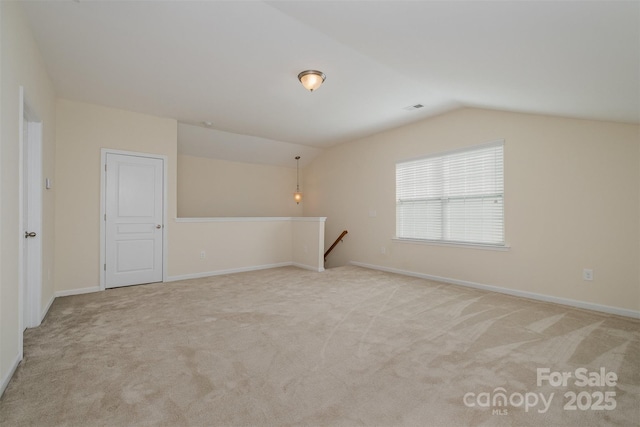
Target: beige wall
x=21 y=65
x=228 y=246
x=571 y=202
x=241 y=244
x=82 y=130
x=220 y=188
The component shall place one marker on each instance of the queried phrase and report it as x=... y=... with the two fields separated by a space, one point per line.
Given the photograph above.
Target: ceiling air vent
x=413 y=107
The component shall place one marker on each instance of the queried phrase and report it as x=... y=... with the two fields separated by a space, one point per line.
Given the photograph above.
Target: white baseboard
x=308 y=267
x=7 y=378
x=228 y=271
x=192 y=276
x=76 y=291
x=531 y=295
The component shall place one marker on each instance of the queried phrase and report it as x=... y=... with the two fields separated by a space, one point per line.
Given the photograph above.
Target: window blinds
x=455 y=197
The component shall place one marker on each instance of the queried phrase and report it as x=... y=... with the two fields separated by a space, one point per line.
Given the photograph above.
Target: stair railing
x=338 y=240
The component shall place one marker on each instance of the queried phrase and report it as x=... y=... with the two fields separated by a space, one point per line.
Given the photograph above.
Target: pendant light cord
x=297 y=174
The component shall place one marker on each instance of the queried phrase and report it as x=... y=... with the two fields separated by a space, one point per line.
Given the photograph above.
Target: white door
x=133 y=220
x=31 y=185
x=26 y=308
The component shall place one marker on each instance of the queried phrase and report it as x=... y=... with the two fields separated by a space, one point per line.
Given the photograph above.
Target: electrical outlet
x=587 y=274
x=383 y=250
x=203 y=255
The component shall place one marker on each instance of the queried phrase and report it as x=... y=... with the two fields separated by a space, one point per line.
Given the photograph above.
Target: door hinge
x=105 y=267
x=105 y=167
x=105 y=217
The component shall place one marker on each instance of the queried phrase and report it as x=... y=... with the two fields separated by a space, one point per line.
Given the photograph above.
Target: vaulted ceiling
x=234 y=64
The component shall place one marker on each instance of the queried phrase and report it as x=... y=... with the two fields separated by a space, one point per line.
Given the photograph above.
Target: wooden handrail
x=334 y=244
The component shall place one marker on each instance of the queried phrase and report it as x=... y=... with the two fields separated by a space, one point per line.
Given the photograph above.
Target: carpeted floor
x=346 y=347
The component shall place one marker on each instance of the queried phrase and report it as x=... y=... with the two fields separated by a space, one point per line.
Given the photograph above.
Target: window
x=454 y=197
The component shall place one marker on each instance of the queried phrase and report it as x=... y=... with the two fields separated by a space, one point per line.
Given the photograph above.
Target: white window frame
x=493 y=242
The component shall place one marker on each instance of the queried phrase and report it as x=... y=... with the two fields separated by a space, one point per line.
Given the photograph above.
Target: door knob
x=27 y=234
x=158 y=226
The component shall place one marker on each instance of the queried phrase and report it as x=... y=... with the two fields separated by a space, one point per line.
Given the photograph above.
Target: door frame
x=30 y=284
x=103 y=208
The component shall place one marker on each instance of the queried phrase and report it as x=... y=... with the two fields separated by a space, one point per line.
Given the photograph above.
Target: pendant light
x=297 y=196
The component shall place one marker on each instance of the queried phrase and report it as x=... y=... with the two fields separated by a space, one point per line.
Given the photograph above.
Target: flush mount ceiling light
x=311 y=79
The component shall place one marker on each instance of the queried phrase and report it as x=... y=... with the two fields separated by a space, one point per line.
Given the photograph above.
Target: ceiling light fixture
x=297 y=196
x=311 y=79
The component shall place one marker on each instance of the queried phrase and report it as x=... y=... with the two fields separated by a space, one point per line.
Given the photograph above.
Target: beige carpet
x=346 y=347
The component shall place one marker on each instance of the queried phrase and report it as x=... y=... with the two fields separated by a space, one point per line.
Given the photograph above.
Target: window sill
x=251 y=219
x=500 y=248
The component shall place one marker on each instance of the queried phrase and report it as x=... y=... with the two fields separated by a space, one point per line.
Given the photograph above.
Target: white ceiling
x=234 y=63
